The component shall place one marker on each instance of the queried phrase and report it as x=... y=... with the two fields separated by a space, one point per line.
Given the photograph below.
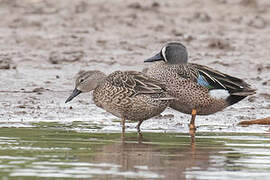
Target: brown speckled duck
x=198 y=89
x=126 y=94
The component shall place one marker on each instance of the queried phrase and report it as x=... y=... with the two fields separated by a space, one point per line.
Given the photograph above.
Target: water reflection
x=55 y=153
x=163 y=159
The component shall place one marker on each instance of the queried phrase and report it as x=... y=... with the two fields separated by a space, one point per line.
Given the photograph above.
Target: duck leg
x=192 y=121
x=123 y=122
x=138 y=127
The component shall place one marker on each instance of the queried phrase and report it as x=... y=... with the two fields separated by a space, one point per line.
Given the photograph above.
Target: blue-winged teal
x=199 y=89
x=128 y=95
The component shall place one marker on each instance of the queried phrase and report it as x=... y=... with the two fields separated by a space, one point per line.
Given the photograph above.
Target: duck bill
x=157 y=57
x=75 y=93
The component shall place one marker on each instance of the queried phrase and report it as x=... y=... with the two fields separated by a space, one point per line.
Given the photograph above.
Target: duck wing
x=213 y=79
x=137 y=82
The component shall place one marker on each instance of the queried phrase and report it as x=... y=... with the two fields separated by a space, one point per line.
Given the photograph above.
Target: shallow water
x=51 y=151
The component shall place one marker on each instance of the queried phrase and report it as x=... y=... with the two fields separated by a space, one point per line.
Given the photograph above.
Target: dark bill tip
x=75 y=93
x=157 y=57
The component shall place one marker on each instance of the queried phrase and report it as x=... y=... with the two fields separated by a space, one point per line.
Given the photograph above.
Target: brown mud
x=43 y=44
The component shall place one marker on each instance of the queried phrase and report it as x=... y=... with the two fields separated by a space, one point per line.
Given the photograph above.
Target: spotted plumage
x=195 y=87
x=128 y=95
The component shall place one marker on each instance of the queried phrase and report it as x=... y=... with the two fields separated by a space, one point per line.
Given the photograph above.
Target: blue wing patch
x=203 y=82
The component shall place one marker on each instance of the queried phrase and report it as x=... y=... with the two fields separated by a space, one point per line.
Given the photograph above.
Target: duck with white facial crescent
x=198 y=89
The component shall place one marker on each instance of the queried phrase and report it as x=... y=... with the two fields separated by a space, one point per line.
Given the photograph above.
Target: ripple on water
x=57 y=153
x=17 y=157
x=82 y=172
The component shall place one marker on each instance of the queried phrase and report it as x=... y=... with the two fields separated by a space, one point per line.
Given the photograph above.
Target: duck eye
x=81 y=80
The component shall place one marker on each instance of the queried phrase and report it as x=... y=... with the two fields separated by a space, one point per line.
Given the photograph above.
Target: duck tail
x=238 y=96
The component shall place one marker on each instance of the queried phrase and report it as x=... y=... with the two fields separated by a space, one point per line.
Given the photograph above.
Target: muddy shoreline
x=44 y=44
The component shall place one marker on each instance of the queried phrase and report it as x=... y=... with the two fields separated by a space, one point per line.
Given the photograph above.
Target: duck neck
x=100 y=77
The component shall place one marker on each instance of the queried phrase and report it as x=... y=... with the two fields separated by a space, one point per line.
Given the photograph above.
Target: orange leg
x=192 y=121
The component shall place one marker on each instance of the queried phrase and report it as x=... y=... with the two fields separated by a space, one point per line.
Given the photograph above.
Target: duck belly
x=144 y=107
x=189 y=95
x=186 y=108
x=135 y=108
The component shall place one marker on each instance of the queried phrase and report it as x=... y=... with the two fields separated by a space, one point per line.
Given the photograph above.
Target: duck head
x=171 y=53
x=86 y=82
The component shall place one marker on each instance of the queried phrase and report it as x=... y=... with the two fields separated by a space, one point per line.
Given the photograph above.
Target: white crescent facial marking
x=163 y=51
x=219 y=93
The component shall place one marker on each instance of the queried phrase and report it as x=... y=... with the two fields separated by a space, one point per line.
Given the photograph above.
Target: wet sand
x=44 y=44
